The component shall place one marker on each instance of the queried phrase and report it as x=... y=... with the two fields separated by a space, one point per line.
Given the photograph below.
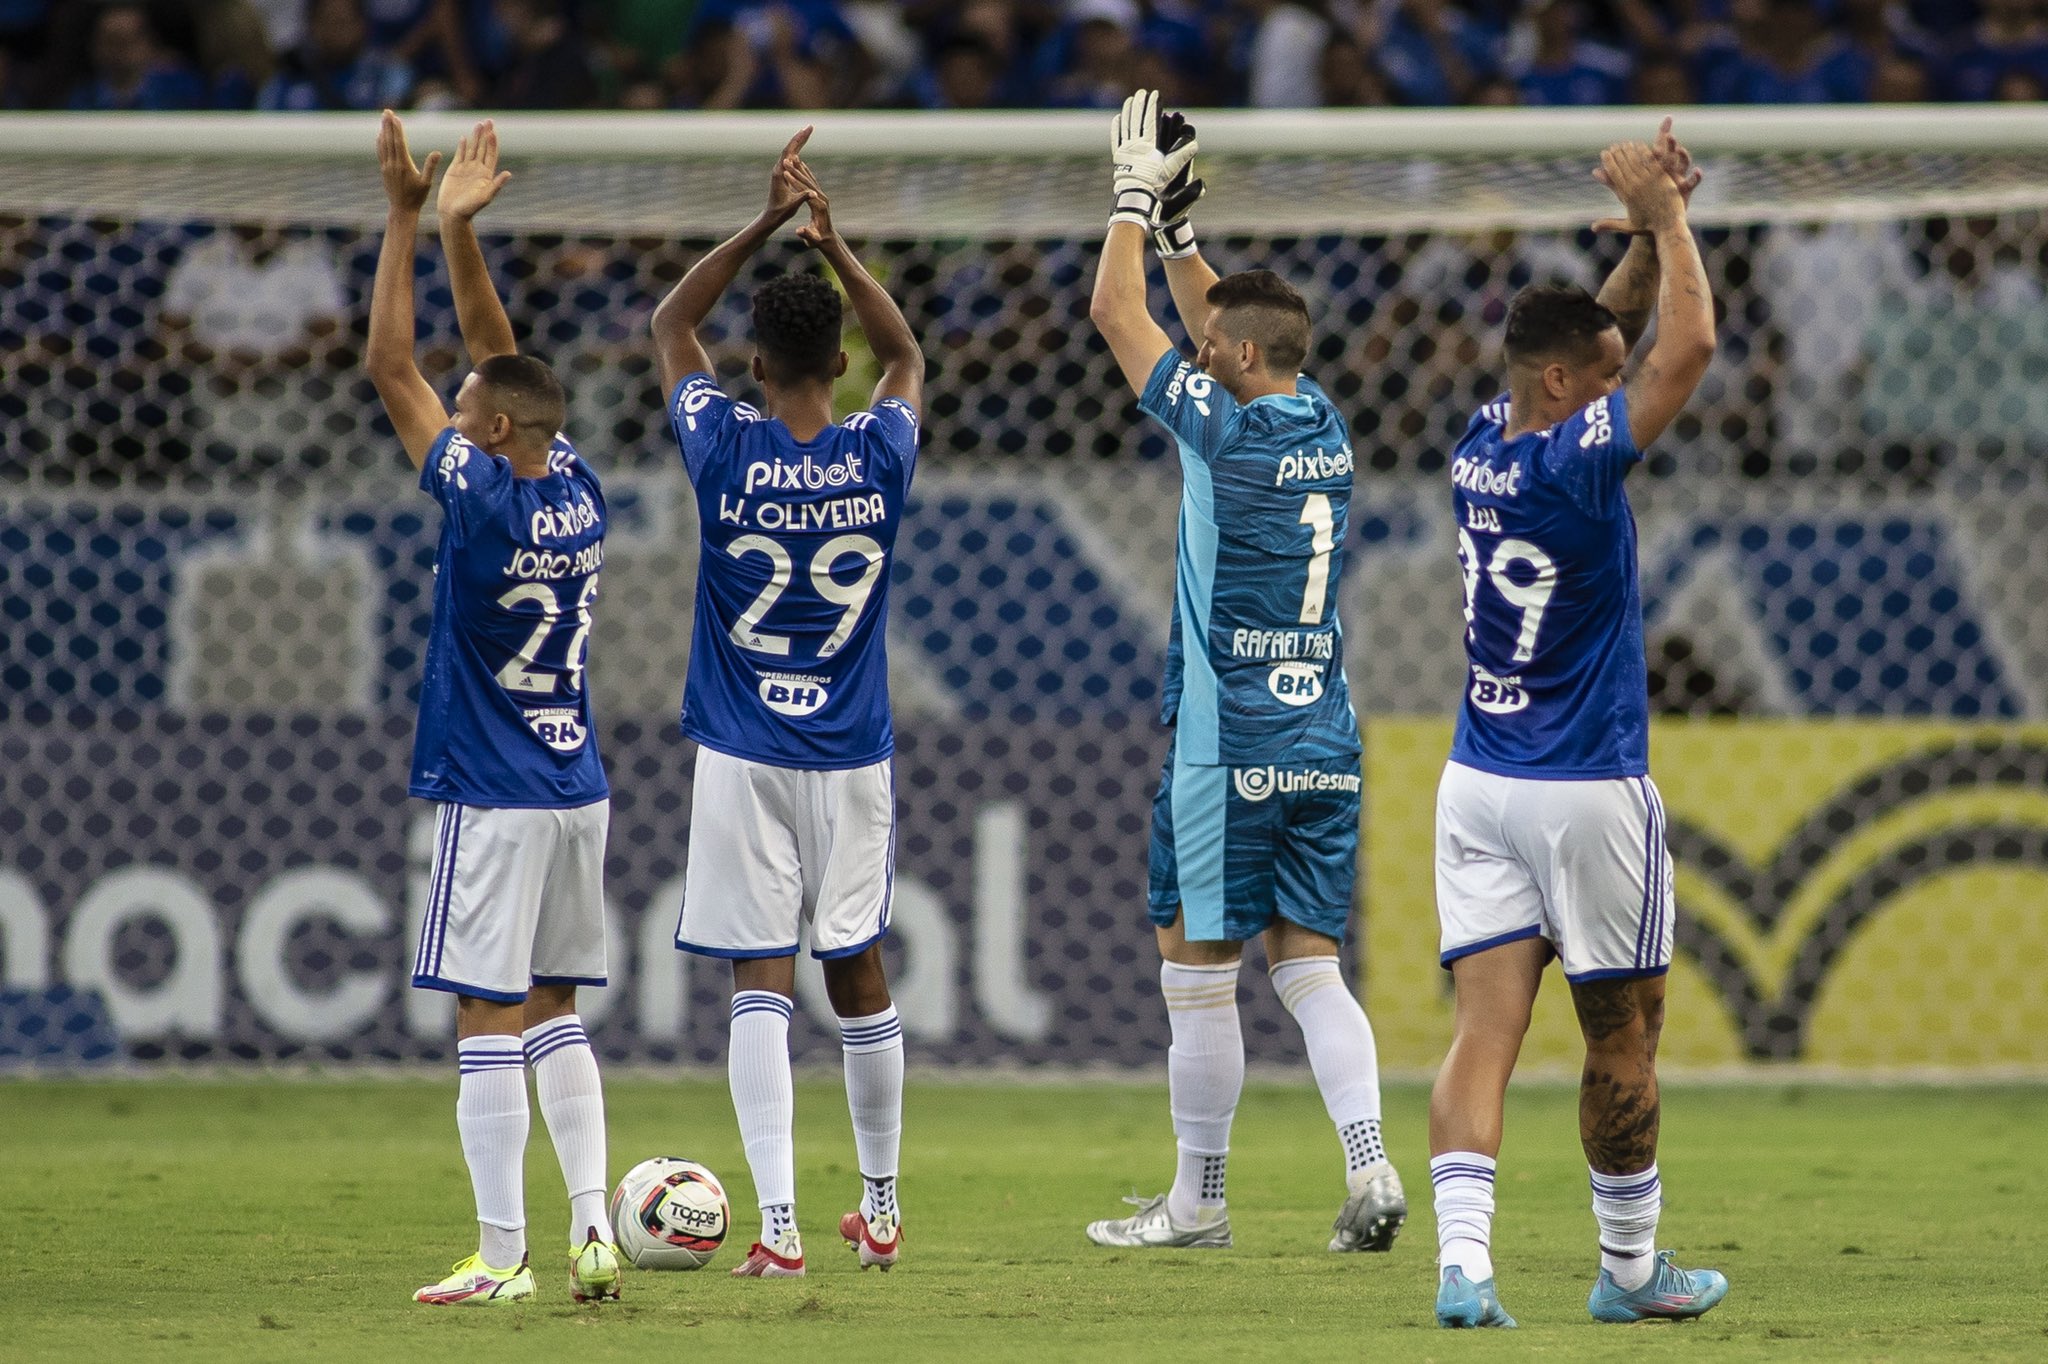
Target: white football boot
x=1151 y=1226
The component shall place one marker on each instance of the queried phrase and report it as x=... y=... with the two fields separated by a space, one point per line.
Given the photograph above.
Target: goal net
x=215 y=574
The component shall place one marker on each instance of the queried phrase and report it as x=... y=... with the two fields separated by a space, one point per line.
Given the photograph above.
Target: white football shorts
x=516 y=900
x=774 y=848
x=1581 y=864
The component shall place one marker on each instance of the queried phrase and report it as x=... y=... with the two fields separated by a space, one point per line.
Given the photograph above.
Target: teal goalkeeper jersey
x=1255 y=666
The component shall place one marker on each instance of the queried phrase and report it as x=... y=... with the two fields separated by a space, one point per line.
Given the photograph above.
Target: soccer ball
x=670 y=1213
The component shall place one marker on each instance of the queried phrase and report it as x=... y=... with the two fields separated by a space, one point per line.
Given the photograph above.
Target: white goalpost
x=1035 y=174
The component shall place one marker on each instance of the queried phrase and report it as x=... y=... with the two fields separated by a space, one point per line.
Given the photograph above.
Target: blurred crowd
x=973 y=54
x=148 y=348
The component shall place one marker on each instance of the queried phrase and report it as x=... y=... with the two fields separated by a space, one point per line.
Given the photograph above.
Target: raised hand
x=405 y=184
x=1142 y=170
x=1677 y=161
x=473 y=177
x=1173 y=236
x=1638 y=179
x=785 y=194
x=1177 y=196
x=817 y=233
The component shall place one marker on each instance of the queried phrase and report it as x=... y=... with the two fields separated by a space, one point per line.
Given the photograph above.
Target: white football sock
x=490 y=1113
x=1341 y=1052
x=873 y=1049
x=1626 y=1208
x=1204 y=1076
x=1205 y=1174
x=1464 y=1212
x=757 y=1065
x=778 y=1230
x=572 y=1103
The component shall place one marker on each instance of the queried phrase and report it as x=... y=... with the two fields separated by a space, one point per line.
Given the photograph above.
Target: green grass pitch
x=290 y=1220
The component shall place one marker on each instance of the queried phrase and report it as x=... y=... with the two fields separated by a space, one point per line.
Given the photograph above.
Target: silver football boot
x=1151 y=1227
x=1373 y=1215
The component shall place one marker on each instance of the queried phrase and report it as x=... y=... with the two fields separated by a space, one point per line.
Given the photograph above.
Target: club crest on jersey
x=559 y=727
x=793 y=694
x=809 y=476
x=1497 y=695
x=1296 y=684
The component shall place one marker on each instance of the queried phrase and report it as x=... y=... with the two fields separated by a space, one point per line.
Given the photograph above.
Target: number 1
x=1315 y=514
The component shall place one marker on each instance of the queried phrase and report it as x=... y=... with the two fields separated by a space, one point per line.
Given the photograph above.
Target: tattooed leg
x=1618 y=1110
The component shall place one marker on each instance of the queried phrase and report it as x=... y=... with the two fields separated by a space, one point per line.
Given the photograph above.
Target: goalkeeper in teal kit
x=1255 y=828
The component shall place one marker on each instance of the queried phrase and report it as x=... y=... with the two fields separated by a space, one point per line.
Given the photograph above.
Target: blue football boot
x=1461 y=1303
x=1671 y=1294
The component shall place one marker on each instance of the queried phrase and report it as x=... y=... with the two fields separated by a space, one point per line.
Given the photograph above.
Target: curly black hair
x=798 y=319
x=1549 y=321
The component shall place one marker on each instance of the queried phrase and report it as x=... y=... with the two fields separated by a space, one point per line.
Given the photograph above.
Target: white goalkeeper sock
x=572 y=1103
x=491 y=1114
x=1204 y=1076
x=1341 y=1052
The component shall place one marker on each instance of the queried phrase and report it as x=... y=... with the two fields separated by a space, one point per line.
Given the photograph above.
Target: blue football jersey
x=1255 y=666
x=504 y=713
x=1553 y=615
x=789 y=663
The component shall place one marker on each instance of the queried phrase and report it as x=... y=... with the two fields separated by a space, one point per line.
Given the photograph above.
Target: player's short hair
x=799 y=320
x=1555 y=322
x=525 y=390
x=1260 y=307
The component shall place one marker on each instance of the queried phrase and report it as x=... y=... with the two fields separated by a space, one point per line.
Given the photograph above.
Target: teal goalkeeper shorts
x=1236 y=848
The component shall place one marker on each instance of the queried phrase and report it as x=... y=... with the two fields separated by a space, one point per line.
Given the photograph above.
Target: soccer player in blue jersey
x=515 y=917
x=1255 y=828
x=1549 y=832
x=793 y=811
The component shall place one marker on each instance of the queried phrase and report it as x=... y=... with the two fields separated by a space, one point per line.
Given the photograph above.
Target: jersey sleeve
x=893 y=423
x=1189 y=404
x=469 y=483
x=701 y=415
x=1593 y=452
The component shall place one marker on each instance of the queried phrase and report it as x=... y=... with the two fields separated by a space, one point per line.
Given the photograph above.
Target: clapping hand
x=1142 y=170
x=1677 y=161
x=786 y=194
x=1640 y=177
x=405 y=184
x=817 y=233
x=473 y=177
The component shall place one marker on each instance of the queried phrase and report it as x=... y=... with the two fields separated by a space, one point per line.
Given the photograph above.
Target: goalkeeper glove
x=1142 y=171
x=1173 y=236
